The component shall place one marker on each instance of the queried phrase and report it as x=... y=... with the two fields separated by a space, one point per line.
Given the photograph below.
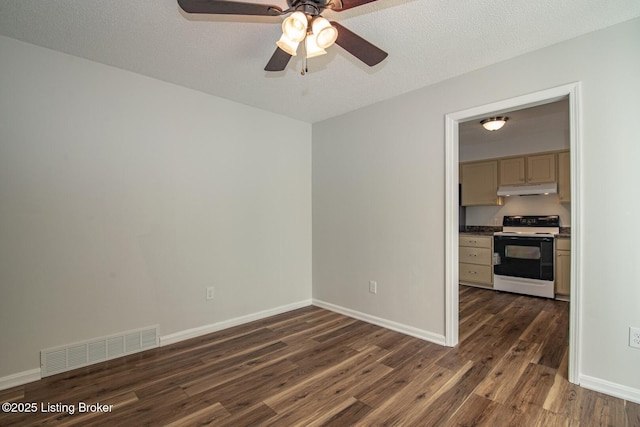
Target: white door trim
x=572 y=91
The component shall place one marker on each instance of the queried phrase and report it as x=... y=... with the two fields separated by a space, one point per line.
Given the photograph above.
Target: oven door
x=523 y=256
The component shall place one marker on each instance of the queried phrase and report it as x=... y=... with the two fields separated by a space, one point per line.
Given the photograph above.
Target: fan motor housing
x=314 y=7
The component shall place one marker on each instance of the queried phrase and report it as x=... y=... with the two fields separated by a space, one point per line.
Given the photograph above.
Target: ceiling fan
x=305 y=24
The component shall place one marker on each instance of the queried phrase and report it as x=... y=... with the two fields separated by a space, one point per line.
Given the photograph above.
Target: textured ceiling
x=546 y=118
x=427 y=41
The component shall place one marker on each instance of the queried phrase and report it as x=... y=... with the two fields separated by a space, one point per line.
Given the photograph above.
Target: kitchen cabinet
x=534 y=169
x=512 y=171
x=480 y=183
x=541 y=168
x=563 y=268
x=564 y=177
x=475 y=265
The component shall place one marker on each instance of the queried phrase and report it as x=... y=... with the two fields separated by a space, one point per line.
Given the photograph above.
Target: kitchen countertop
x=476 y=233
x=482 y=230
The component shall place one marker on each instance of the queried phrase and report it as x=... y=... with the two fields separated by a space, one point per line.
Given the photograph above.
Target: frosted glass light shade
x=295 y=26
x=325 y=33
x=312 y=47
x=494 y=123
x=287 y=45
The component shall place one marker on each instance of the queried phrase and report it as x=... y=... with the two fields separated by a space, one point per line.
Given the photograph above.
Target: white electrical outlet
x=634 y=337
x=210 y=292
x=373 y=287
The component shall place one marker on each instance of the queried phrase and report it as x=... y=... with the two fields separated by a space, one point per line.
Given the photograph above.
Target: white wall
x=378 y=213
x=122 y=198
x=519 y=205
x=379 y=196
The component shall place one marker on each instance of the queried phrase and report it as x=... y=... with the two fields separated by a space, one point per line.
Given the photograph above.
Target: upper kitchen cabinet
x=534 y=169
x=480 y=183
x=541 y=168
x=564 y=177
x=512 y=171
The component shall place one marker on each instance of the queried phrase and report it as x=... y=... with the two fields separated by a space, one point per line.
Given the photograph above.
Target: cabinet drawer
x=563 y=244
x=475 y=241
x=475 y=255
x=475 y=273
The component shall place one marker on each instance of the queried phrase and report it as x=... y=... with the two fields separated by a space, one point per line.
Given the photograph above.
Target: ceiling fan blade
x=340 y=5
x=221 y=7
x=278 y=61
x=359 y=47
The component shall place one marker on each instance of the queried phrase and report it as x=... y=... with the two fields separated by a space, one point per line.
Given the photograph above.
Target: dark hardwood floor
x=313 y=367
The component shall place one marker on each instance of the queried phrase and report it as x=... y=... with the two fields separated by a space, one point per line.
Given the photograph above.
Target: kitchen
x=515 y=204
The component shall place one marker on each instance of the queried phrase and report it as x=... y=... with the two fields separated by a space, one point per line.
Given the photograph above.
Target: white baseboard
x=207 y=329
x=612 y=389
x=20 y=378
x=394 y=326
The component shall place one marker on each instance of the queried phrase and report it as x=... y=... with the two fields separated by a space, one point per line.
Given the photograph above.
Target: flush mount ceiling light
x=494 y=123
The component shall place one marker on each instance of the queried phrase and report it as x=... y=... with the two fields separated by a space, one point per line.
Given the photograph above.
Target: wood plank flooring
x=313 y=367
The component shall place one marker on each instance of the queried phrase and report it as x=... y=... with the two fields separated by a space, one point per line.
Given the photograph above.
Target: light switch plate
x=373 y=287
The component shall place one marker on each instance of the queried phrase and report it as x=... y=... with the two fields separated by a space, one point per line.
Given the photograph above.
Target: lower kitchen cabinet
x=563 y=268
x=475 y=260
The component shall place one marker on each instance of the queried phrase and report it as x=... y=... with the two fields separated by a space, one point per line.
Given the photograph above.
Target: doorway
x=570 y=91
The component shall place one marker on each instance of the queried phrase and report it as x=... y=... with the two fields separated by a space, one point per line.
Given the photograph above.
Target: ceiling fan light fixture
x=494 y=123
x=312 y=47
x=325 y=33
x=295 y=26
x=288 y=45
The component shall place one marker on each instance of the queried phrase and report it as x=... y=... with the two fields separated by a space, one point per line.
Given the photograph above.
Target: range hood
x=528 y=190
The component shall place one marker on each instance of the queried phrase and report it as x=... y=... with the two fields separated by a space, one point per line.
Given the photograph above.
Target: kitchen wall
x=379 y=196
x=519 y=205
x=122 y=198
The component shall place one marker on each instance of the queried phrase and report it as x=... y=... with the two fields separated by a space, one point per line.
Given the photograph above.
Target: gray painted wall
x=379 y=195
x=122 y=198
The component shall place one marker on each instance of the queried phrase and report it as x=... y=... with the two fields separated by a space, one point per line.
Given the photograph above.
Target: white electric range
x=524 y=255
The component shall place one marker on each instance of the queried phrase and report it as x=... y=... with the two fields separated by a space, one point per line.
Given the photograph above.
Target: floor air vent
x=77 y=355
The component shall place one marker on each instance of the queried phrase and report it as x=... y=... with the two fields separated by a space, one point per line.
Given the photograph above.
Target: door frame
x=572 y=92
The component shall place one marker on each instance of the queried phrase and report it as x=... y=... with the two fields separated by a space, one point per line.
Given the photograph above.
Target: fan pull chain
x=304 y=69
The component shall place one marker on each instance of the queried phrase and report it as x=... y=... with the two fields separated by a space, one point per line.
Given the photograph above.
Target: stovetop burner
x=524 y=232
